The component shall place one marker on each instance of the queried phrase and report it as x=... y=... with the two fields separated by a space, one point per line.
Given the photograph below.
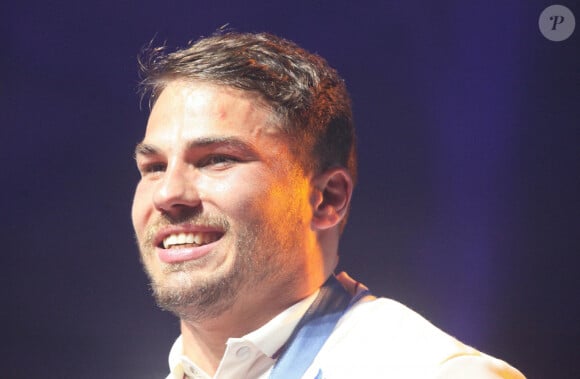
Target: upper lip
x=176 y=229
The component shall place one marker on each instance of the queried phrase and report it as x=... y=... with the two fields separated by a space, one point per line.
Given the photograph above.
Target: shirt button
x=243 y=352
x=189 y=371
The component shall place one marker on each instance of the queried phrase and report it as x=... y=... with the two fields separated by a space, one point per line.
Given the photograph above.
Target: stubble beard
x=195 y=299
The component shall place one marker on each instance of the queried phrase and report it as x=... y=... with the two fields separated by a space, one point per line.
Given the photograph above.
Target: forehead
x=188 y=109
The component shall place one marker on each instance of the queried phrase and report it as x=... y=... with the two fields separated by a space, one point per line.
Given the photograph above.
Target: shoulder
x=393 y=327
x=477 y=366
x=380 y=335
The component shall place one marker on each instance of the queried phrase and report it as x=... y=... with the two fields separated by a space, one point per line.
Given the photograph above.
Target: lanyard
x=313 y=330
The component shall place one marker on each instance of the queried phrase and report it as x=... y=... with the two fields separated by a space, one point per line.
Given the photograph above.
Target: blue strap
x=313 y=330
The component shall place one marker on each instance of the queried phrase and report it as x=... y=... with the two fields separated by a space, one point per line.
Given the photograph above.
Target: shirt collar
x=269 y=338
x=175 y=362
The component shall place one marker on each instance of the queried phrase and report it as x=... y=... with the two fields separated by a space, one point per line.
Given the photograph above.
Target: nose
x=176 y=190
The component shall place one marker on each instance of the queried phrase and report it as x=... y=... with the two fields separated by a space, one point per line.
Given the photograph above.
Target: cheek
x=141 y=203
x=238 y=195
x=275 y=199
x=231 y=198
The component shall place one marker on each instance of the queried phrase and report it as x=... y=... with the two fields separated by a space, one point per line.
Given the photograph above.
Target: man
x=247 y=170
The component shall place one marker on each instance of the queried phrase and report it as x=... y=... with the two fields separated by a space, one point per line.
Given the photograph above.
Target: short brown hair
x=300 y=87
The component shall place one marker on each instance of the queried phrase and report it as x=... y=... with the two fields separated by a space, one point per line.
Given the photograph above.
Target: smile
x=181 y=240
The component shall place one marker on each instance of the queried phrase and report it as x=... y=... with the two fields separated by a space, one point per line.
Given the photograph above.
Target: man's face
x=222 y=206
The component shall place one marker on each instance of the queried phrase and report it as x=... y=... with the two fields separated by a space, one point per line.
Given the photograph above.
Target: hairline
x=275 y=119
x=157 y=86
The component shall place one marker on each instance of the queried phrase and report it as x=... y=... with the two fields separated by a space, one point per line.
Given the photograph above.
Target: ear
x=331 y=197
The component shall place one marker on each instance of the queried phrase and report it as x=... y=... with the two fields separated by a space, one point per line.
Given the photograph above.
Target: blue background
x=467 y=207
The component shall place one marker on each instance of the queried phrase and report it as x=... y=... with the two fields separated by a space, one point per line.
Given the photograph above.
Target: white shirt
x=376 y=338
x=250 y=356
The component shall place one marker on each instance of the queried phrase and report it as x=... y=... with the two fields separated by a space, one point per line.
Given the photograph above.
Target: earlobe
x=333 y=191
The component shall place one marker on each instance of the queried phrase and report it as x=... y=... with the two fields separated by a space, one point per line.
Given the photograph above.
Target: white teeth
x=189 y=238
x=170 y=240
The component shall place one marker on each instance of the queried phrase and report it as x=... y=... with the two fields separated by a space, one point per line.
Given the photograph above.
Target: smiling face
x=222 y=207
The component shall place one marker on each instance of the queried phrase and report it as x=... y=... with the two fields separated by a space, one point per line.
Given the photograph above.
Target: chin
x=195 y=295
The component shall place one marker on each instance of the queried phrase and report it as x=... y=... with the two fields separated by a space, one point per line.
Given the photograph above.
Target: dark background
x=467 y=208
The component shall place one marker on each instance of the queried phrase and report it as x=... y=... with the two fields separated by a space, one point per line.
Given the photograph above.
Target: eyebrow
x=145 y=149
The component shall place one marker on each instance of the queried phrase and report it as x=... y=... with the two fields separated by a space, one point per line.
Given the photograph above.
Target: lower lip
x=177 y=255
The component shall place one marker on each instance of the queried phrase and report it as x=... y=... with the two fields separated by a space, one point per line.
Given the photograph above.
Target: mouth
x=188 y=240
x=175 y=244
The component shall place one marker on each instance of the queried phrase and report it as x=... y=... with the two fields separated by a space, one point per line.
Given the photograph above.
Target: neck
x=204 y=341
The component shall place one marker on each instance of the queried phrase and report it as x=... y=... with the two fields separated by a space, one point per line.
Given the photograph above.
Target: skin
x=214 y=159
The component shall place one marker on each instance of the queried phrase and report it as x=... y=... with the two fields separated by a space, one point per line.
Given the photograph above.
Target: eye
x=151 y=168
x=218 y=161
